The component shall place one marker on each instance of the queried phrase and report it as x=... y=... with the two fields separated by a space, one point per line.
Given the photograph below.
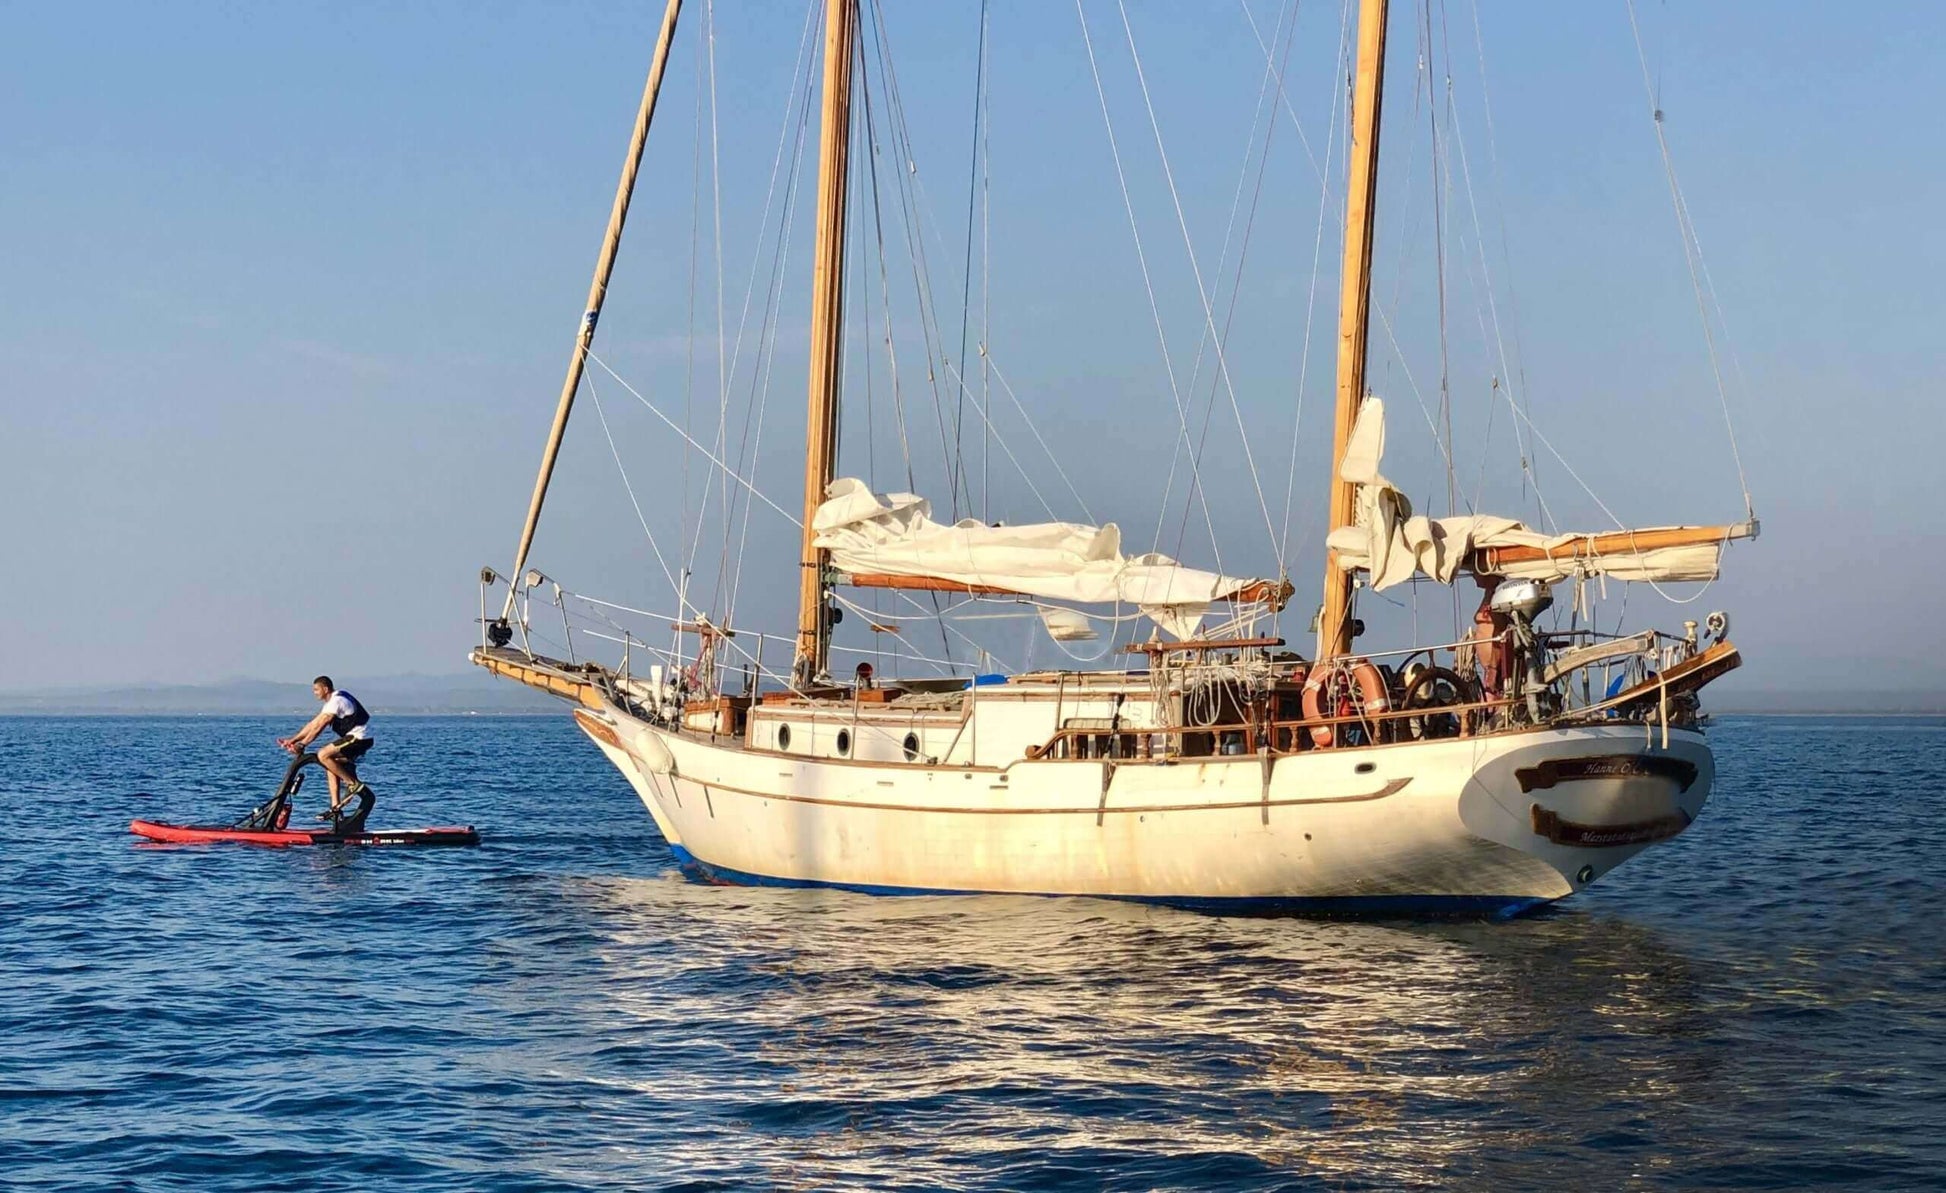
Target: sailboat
x=1221 y=770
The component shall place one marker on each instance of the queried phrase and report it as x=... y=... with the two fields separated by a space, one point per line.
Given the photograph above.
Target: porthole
x=912 y=747
x=844 y=743
x=783 y=737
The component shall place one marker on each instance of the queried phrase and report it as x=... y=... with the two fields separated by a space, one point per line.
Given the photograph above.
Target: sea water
x=1759 y=1004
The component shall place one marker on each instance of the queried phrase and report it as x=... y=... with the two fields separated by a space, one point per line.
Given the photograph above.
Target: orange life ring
x=1336 y=682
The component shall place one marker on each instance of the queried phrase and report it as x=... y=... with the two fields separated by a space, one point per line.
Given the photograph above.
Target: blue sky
x=289 y=288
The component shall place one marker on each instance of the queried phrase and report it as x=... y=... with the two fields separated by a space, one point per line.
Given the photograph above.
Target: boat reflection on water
x=835 y=1038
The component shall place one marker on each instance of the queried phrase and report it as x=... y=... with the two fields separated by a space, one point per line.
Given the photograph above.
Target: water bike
x=269 y=822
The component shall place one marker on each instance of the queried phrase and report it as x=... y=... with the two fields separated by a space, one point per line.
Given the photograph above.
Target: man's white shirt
x=339 y=705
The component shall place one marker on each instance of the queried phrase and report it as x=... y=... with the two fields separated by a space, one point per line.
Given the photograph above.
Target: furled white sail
x=894 y=535
x=1392 y=543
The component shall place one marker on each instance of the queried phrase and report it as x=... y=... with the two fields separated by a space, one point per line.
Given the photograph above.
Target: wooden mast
x=1354 y=311
x=827 y=327
x=597 y=292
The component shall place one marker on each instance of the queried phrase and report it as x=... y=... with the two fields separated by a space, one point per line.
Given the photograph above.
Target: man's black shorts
x=351 y=749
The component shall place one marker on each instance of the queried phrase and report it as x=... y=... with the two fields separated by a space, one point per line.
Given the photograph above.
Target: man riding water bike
x=347 y=718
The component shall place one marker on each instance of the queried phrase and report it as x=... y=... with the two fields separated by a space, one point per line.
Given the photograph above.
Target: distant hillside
x=466 y=692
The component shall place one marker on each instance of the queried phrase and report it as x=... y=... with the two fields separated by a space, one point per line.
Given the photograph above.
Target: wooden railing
x=1658 y=698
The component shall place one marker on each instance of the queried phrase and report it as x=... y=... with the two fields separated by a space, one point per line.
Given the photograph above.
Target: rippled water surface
x=1761 y=1003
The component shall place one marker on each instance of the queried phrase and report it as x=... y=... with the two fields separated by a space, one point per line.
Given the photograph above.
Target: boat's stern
x=1583 y=801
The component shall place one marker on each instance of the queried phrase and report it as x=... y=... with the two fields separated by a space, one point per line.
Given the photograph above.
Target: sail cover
x=1392 y=543
x=894 y=535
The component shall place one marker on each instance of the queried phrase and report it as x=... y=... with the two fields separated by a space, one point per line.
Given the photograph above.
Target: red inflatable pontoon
x=269 y=823
x=205 y=834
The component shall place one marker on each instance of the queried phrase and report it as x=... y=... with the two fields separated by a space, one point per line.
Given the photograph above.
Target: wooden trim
x=1687 y=676
x=1547 y=774
x=1548 y=823
x=542 y=677
x=1390 y=788
x=600 y=730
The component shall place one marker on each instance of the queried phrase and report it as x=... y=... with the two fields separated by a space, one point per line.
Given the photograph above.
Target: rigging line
x=861 y=286
x=750 y=450
x=722 y=327
x=1408 y=211
x=960 y=384
x=943 y=624
x=595 y=395
x=1440 y=199
x=956 y=477
x=986 y=268
x=885 y=288
x=1202 y=293
x=1693 y=256
x=797 y=91
x=705 y=41
x=1296 y=127
x=911 y=202
x=1035 y=431
x=761 y=384
x=1412 y=383
x=1493 y=311
x=689 y=344
x=1317 y=254
x=1444 y=205
x=1222 y=268
x=710 y=456
x=1236 y=291
x=1270 y=73
x=1155 y=311
x=757 y=403
x=1563 y=461
x=1528 y=465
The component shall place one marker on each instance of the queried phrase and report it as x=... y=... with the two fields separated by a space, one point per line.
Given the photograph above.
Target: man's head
x=322 y=686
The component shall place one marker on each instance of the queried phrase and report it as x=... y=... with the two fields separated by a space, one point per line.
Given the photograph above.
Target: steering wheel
x=1435 y=689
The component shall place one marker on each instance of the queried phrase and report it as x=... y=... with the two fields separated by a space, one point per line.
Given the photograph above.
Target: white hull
x=1441 y=825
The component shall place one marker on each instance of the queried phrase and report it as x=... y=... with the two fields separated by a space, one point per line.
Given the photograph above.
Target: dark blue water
x=1761 y=1004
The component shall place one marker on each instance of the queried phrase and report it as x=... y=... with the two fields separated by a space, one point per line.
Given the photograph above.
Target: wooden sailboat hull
x=1491 y=825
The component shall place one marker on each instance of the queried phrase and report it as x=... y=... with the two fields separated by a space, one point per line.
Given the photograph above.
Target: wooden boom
x=1275 y=592
x=1490 y=560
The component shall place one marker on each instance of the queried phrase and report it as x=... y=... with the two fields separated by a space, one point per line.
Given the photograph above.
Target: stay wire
x=1155 y=311
x=1693 y=256
x=1273 y=87
x=1202 y=291
x=1222 y=269
x=956 y=479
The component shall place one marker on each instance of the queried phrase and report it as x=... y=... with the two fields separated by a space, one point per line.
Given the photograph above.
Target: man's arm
x=305 y=736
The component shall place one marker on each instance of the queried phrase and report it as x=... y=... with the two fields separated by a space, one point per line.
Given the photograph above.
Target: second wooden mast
x=1354 y=312
x=827 y=331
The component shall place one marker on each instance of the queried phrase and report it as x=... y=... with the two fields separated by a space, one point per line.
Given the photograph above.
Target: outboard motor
x=1522 y=601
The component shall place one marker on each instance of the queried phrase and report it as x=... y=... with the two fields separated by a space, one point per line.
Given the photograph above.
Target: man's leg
x=334 y=770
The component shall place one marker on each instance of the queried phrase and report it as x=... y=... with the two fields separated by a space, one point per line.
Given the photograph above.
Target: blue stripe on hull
x=1494 y=907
